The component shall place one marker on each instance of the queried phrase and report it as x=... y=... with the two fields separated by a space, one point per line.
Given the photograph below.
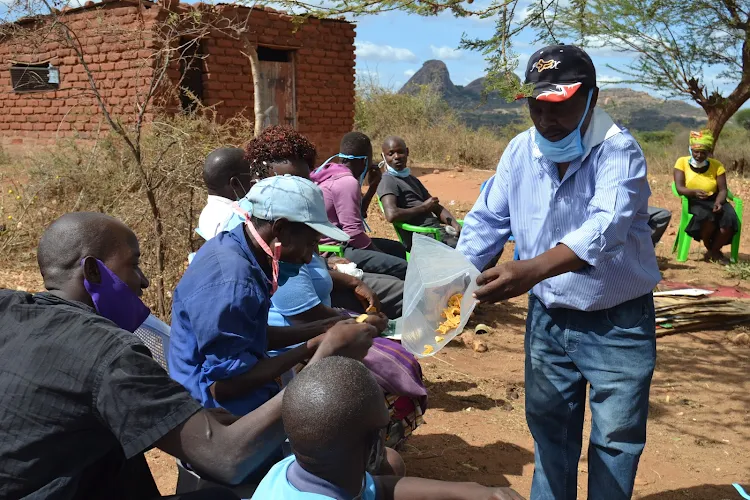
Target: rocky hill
x=633 y=109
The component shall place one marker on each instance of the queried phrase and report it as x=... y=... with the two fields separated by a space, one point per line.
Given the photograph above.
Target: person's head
x=701 y=145
x=358 y=148
x=564 y=91
x=395 y=152
x=290 y=211
x=334 y=415
x=281 y=150
x=227 y=173
x=93 y=258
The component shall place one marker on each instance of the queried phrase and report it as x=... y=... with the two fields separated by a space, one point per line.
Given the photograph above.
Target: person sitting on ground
x=405 y=199
x=311 y=292
x=81 y=398
x=341 y=185
x=335 y=421
x=227 y=176
x=703 y=181
x=658 y=220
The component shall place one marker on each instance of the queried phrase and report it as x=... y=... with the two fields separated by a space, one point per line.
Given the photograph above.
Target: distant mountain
x=633 y=109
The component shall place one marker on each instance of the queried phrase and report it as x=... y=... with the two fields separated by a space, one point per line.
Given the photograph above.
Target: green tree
x=743 y=118
x=679 y=47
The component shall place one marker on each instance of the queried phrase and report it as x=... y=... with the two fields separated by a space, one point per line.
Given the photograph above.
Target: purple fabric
x=396 y=370
x=114 y=300
x=343 y=198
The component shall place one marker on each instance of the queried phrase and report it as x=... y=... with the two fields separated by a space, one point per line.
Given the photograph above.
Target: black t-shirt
x=409 y=192
x=80 y=401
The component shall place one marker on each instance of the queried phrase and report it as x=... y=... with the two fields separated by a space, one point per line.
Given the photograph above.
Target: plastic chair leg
x=683 y=247
x=734 y=256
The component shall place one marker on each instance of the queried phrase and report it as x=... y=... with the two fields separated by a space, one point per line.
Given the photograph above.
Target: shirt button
x=557 y=229
x=559 y=199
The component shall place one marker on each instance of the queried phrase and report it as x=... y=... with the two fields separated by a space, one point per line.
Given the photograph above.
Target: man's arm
x=487 y=226
x=284 y=336
x=374 y=176
x=448 y=219
x=395 y=214
x=415 y=488
x=347 y=200
x=262 y=372
x=228 y=453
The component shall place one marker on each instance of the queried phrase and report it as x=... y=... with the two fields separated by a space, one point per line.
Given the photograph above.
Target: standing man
x=574 y=193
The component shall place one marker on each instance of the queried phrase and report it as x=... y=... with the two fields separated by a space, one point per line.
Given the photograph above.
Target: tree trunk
x=252 y=55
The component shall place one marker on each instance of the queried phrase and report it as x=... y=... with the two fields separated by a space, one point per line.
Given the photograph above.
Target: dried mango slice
x=439 y=339
x=362 y=318
x=455 y=300
x=452 y=314
x=371 y=310
x=428 y=349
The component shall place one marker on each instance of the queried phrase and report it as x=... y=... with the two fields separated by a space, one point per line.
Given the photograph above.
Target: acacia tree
x=680 y=47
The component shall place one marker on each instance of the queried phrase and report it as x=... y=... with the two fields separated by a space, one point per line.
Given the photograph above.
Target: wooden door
x=278 y=92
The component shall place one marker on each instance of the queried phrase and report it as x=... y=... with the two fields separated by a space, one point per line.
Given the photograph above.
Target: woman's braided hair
x=278 y=143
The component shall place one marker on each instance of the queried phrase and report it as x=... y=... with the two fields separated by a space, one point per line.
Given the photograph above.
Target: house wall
x=115 y=39
x=115 y=54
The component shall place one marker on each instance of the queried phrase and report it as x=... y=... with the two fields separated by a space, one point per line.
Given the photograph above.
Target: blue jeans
x=614 y=351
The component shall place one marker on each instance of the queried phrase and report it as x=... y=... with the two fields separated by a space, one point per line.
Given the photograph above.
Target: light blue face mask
x=569 y=147
x=694 y=163
x=361 y=177
x=396 y=173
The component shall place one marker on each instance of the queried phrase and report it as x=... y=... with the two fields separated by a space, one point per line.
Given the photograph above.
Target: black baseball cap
x=557 y=72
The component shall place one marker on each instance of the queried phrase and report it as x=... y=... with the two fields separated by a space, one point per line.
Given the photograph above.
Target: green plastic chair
x=337 y=250
x=433 y=232
x=682 y=241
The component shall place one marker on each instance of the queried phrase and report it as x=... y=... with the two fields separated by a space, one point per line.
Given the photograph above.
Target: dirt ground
x=699 y=422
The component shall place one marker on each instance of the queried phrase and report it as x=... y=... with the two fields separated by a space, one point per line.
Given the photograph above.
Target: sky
x=392 y=46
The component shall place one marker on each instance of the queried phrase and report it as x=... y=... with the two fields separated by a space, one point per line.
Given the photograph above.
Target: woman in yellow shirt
x=703 y=181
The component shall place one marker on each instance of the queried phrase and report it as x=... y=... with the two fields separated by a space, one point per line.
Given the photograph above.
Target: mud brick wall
x=115 y=45
x=116 y=40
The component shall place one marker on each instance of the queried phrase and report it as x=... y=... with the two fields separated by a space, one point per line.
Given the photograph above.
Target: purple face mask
x=114 y=300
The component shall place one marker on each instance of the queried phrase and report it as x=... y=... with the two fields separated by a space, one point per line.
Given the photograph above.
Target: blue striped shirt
x=598 y=210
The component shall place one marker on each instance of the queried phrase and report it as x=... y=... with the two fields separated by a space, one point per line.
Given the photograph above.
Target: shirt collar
x=212 y=198
x=52 y=299
x=310 y=483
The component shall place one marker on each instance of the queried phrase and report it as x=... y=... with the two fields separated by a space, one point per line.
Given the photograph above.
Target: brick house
x=307 y=75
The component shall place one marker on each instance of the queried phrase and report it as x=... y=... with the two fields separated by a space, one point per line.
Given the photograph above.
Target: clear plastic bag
x=436 y=272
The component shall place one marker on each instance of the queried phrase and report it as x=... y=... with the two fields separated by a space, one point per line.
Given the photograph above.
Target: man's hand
x=430 y=204
x=366 y=296
x=700 y=194
x=379 y=321
x=346 y=338
x=374 y=175
x=455 y=225
x=718 y=206
x=506 y=281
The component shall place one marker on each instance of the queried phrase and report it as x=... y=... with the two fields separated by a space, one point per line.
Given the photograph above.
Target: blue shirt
x=219 y=321
x=599 y=210
x=287 y=480
x=301 y=287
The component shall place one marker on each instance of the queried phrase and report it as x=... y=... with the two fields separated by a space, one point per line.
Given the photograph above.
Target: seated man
x=228 y=178
x=220 y=334
x=81 y=399
x=282 y=150
x=658 y=220
x=334 y=417
x=346 y=207
x=405 y=199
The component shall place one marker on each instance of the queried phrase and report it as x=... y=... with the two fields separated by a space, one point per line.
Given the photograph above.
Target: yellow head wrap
x=702 y=141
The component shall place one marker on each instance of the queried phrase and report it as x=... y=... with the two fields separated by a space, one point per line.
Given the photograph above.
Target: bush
x=104 y=178
x=432 y=130
x=742 y=118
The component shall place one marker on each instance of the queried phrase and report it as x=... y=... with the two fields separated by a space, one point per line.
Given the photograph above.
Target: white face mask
x=694 y=163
